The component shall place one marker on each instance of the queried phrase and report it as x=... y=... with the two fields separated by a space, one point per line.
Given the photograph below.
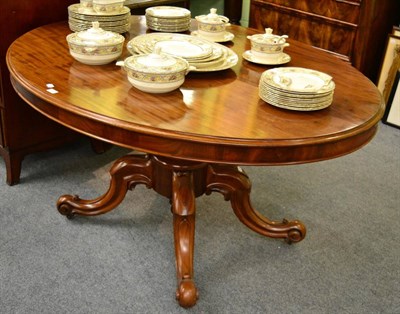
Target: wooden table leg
x=183 y=208
x=182 y=181
x=126 y=173
x=235 y=185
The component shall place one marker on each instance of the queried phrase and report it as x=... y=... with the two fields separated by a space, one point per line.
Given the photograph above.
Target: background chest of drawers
x=354 y=30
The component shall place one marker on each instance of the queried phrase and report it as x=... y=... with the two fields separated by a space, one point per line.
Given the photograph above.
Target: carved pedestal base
x=182 y=181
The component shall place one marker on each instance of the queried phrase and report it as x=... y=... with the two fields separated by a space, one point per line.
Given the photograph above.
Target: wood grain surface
x=213 y=117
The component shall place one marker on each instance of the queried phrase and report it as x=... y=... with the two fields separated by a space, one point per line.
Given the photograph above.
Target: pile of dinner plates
x=296 y=88
x=80 y=19
x=168 y=19
x=201 y=54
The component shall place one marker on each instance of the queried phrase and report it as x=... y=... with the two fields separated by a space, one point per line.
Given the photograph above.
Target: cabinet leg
x=13 y=164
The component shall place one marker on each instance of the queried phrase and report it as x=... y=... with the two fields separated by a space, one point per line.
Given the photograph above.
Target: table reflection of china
x=194 y=137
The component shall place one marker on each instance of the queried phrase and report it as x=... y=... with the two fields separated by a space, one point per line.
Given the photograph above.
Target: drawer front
x=342 y=10
x=319 y=31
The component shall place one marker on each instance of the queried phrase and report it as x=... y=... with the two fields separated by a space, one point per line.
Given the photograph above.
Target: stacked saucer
x=168 y=19
x=80 y=18
x=296 y=88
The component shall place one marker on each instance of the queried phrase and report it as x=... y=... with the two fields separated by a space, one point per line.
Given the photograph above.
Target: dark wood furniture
x=354 y=30
x=233 y=10
x=194 y=136
x=22 y=129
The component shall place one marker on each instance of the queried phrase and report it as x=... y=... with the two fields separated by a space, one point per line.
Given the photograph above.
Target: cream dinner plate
x=299 y=80
x=195 y=50
x=168 y=12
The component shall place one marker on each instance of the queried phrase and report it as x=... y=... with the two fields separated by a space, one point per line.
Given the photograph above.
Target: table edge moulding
x=195 y=138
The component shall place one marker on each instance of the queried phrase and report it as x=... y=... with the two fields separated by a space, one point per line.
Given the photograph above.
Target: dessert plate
x=298 y=80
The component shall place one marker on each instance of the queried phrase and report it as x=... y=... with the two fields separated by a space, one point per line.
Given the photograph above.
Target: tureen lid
x=156 y=62
x=95 y=36
x=212 y=17
x=268 y=38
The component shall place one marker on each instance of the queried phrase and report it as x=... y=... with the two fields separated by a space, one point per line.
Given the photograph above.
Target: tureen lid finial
x=268 y=31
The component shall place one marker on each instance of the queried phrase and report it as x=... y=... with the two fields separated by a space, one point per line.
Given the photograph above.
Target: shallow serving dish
x=95 y=46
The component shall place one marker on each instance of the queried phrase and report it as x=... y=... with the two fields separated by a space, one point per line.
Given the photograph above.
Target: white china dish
x=168 y=19
x=86 y=3
x=267 y=45
x=281 y=58
x=168 y=12
x=225 y=36
x=156 y=72
x=108 y=6
x=296 y=88
x=144 y=44
x=212 y=25
x=95 y=46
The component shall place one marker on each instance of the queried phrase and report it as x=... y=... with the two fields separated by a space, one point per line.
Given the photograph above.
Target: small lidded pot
x=86 y=3
x=95 y=46
x=156 y=72
x=108 y=6
x=268 y=46
x=212 y=25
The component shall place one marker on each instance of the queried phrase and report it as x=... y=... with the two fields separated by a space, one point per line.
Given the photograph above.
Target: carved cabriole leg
x=234 y=184
x=126 y=173
x=183 y=208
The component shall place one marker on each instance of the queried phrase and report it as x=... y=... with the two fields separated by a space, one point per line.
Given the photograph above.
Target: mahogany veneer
x=195 y=137
x=354 y=30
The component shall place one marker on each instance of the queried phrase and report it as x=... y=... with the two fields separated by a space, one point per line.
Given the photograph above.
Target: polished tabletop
x=212 y=117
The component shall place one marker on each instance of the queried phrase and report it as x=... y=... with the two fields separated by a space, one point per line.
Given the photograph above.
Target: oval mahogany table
x=196 y=137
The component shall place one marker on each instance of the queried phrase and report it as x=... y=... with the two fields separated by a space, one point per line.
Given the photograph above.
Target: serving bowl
x=212 y=25
x=156 y=72
x=86 y=3
x=95 y=46
x=108 y=6
x=268 y=46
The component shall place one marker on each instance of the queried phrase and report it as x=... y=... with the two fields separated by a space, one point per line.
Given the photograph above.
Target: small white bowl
x=156 y=72
x=95 y=46
x=108 y=6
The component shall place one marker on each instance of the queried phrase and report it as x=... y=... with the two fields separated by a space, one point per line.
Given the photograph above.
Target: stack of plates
x=168 y=19
x=203 y=55
x=296 y=88
x=81 y=18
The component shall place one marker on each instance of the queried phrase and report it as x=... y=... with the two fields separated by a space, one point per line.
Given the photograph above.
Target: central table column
x=181 y=181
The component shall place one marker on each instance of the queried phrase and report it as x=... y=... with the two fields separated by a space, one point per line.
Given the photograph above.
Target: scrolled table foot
x=65 y=207
x=234 y=184
x=186 y=293
x=126 y=173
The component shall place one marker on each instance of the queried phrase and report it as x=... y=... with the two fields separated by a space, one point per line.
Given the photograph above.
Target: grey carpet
x=123 y=261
